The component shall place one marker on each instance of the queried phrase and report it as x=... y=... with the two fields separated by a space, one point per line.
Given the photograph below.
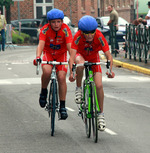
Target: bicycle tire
x=49 y=106
x=94 y=112
x=53 y=109
x=87 y=120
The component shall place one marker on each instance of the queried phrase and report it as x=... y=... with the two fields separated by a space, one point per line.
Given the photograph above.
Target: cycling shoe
x=63 y=113
x=42 y=100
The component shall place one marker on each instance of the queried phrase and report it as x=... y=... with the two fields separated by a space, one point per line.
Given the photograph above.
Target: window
x=39 y=1
x=113 y=3
x=92 y=4
x=41 y=7
x=107 y=2
x=123 y=2
x=83 y=4
x=39 y=12
x=48 y=1
x=118 y=3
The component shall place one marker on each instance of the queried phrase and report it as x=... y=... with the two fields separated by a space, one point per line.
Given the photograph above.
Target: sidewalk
x=121 y=61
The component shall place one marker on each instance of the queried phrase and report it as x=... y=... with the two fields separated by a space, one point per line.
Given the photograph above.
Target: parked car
x=28 y=26
x=66 y=20
x=104 y=28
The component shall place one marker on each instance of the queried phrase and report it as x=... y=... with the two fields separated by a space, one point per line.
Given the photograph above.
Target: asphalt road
x=25 y=127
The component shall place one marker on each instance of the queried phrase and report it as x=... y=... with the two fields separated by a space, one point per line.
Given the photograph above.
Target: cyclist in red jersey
x=87 y=43
x=54 y=40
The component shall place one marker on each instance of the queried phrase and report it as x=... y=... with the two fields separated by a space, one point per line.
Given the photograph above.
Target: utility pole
x=70 y=10
x=98 y=6
x=137 y=13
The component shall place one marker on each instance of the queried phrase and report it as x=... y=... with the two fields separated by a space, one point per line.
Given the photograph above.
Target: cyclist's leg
x=45 y=78
x=99 y=89
x=78 y=94
x=100 y=97
x=61 y=76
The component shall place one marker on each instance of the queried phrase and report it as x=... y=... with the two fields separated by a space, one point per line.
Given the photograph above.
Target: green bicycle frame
x=89 y=79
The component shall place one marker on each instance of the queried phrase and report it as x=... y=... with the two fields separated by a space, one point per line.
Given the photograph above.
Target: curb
x=128 y=66
x=131 y=67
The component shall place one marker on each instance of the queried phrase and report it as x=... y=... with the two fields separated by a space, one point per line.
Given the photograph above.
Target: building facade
x=74 y=9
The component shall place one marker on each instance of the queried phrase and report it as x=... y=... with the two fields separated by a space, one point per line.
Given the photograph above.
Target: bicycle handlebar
x=50 y=63
x=86 y=63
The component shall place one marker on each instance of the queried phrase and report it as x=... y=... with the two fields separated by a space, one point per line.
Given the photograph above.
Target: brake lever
x=74 y=69
x=108 y=67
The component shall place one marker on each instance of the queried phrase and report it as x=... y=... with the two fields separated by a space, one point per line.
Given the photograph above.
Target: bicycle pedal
x=80 y=115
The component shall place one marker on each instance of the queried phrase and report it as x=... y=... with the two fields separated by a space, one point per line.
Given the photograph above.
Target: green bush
x=20 y=39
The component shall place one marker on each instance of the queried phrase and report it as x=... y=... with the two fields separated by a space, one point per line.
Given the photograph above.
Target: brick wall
x=123 y=8
x=68 y=7
x=76 y=10
x=26 y=10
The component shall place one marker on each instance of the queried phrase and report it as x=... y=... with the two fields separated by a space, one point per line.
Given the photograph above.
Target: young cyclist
x=54 y=40
x=87 y=42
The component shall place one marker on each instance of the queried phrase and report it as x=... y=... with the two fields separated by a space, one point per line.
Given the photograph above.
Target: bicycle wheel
x=53 y=108
x=49 y=105
x=94 y=112
x=87 y=119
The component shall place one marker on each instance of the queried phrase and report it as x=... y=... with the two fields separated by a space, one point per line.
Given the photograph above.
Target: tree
x=7 y=4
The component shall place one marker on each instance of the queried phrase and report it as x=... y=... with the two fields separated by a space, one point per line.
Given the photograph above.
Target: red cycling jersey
x=89 y=49
x=55 y=42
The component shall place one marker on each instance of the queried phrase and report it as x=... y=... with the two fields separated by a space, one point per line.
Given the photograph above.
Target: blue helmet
x=87 y=23
x=55 y=14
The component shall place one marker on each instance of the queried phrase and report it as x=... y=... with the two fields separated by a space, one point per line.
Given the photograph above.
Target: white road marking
x=22 y=81
x=16 y=63
x=141 y=78
x=28 y=83
x=70 y=109
x=105 y=79
x=15 y=75
x=9 y=68
x=127 y=101
x=110 y=132
x=127 y=78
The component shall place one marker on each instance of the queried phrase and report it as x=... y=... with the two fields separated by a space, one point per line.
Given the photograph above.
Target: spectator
x=2 y=30
x=148 y=15
x=135 y=22
x=140 y=22
x=113 y=22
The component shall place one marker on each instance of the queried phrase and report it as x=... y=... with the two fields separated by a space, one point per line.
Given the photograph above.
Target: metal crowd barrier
x=137 y=44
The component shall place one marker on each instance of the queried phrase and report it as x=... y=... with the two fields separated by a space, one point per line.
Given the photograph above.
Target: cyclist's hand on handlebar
x=112 y=75
x=35 y=61
x=72 y=78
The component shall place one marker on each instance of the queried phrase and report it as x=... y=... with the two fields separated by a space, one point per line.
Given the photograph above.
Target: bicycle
x=52 y=105
x=89 y=108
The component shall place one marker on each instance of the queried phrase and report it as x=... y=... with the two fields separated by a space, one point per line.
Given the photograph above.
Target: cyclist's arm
x=71 y=61
x=40 y=48
x=109 y=57
x=69 y=48
x=72 y=58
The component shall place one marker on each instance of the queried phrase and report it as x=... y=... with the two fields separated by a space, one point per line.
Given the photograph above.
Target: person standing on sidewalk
x=113 y=21
x=148 y=15
x=2 y=30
